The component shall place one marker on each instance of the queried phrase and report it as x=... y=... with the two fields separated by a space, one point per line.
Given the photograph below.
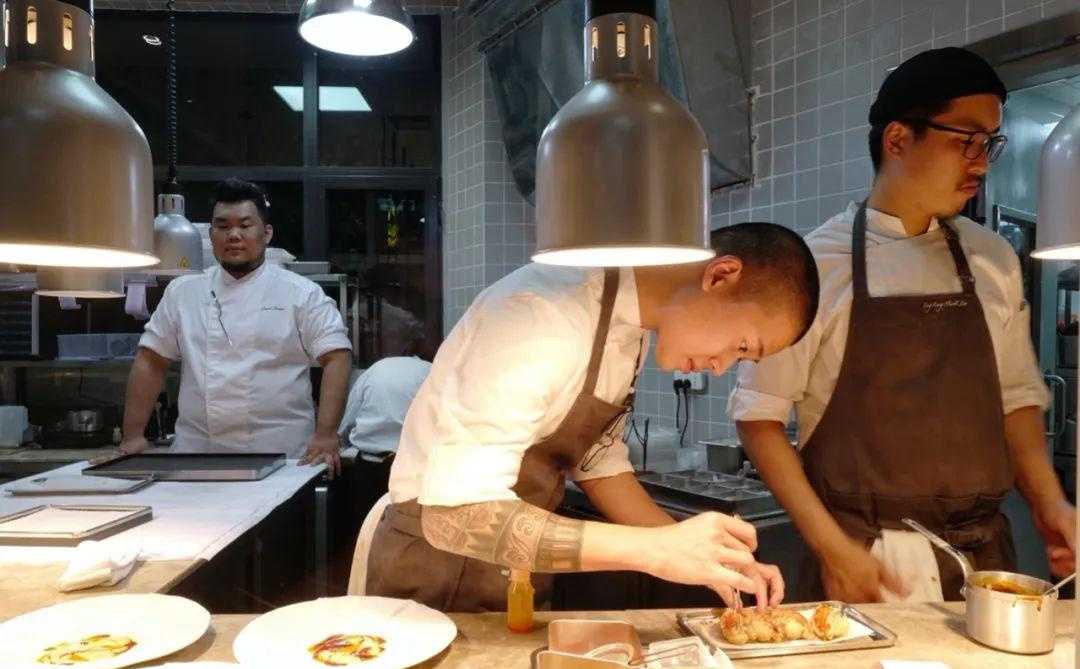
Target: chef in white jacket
x=246 y=335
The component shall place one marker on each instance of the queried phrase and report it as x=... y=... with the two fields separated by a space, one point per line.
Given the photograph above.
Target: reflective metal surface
x=357 y=27
x=75 y=170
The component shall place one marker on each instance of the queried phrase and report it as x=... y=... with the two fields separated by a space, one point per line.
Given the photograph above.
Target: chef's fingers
x=724 y=577
x=729 y=596
x=741 y=530
x=761 y=590
x=775 y=581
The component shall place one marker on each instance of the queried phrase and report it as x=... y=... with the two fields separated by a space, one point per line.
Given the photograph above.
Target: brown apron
x=915 y=427
x=403 y=564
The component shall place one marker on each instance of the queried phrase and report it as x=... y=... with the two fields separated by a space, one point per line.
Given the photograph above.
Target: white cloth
x=95 y=563
x=245 y=387
x=135 y=301
x=505 y=378
x=804 y=376
x=68 y=303
x=358 y=573
x=378 y=402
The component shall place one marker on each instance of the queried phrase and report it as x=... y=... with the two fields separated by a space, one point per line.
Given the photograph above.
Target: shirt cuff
x=163 y=347
x=746 y=405
x=1037 y=396
x=612 y=464
x=332 y=342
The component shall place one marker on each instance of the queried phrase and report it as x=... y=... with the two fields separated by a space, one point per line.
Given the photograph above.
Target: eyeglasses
x=978 y=141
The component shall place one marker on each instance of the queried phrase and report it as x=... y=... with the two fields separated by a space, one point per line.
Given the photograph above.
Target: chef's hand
x=851 y=574
x=710 y=549
x=769 y=585
x=1057 y=525
x=323 y=449
x=134 y=445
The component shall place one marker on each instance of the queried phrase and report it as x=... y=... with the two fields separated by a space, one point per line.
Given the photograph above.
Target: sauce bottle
x=519 y=601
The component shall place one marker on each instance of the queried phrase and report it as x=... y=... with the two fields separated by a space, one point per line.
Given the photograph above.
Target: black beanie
x=933 y=77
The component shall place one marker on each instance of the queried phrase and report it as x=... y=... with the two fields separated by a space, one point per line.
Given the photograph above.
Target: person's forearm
x=622 y=500
x=335 y=382
x=1035 y=476
x=771 y=452
x=145 y=382
x=518 y=535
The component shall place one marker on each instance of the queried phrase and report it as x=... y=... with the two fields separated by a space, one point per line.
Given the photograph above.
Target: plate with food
x=787 y=630
x=105 y=632
x=368 y=632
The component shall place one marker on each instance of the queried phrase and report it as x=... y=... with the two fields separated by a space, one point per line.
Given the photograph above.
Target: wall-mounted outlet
x=696 y=379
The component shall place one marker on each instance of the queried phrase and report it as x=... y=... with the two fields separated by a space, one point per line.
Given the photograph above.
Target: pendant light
x=176 y=241
x=75 y=170
x=357 y=27
x=622 y=170
x=80 y=282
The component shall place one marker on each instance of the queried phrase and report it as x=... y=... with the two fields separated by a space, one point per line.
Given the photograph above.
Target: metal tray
x=721 y=492
x=27 y=489
x=191 y=466
x=882 y=637
x=131 y=516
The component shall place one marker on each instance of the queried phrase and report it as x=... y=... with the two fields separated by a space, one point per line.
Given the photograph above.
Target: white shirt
x=804 y=376
x=506 y=377
x=252 y=393
x=378 y=402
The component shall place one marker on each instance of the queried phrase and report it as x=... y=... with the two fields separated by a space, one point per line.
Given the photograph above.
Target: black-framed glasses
x=978 y=141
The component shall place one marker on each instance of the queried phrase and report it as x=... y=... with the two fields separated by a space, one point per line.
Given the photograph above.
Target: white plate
x=413 y=632
x=159 y=624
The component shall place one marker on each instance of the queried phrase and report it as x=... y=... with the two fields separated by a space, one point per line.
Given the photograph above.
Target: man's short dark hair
x=233 y=190
x=777 y=263
x=925 y=111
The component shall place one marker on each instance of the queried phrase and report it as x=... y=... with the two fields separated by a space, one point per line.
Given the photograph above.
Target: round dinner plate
x=413 y=632
x=159 y=624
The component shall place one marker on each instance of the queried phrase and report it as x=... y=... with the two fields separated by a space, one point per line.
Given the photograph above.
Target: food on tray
x=90 y=649
x=828 y=622
x=339 y=650
x=742 y=626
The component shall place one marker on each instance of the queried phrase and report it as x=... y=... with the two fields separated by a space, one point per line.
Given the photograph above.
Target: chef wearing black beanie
x=917 y=390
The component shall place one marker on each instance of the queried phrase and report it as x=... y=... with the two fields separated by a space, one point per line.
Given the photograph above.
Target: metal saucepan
x=1005 y=610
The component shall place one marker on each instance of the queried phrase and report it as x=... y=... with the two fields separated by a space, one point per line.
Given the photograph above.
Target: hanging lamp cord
x=170 y=48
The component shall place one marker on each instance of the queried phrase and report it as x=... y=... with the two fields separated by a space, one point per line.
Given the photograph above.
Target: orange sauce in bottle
x=519 y=602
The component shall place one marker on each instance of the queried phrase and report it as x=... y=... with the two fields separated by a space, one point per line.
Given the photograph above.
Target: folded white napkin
x=95 y=563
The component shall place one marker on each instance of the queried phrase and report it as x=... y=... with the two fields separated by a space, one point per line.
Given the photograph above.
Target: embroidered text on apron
x=403 y=564
x=915 y=425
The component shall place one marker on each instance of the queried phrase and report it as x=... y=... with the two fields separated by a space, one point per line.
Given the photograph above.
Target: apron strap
x=858 y=256
x=607 y=305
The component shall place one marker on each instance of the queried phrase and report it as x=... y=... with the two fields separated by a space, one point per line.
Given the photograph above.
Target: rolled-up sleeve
x=1022 y=382
x=768 y=389
x=321 y=327
x=602 y=463
x=496 y=387
x=162 y=332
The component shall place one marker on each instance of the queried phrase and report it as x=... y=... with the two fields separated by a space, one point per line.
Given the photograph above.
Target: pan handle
x=945 y=546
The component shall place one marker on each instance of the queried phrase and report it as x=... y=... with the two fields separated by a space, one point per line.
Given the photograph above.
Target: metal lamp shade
x=176 y=241
x=357 y=27
x=1058 y=232
x=75 y=170
x=623 y=168
x=79 y=282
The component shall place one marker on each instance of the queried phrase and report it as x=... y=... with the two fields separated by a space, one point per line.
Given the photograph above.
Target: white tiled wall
x=818 y=63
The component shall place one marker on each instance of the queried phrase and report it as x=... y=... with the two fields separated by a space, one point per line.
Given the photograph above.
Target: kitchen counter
x=925 y=632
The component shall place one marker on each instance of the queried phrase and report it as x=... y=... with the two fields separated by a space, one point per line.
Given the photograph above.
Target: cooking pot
x=1004 y=610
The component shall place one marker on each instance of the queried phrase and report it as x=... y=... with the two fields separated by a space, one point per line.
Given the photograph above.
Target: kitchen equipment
x=725 y=455
x=84 y=420
x=613 y=644
x=309 y=267
x=74 y=484
x=281 y=638
x=13 y=424
x=700 y=490
x=868 y=633
x=159 y=624
x=191 y=466
x=1005 y=610
x=94 y=346
x=68 y=524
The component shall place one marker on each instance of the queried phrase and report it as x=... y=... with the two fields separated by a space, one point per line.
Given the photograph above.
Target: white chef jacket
x=505 y=378
x=378 y=402
x=805 y=375
x=252 y=393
